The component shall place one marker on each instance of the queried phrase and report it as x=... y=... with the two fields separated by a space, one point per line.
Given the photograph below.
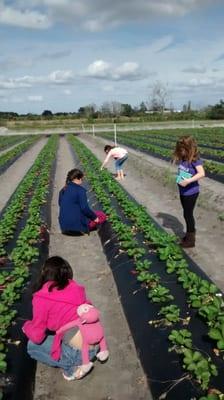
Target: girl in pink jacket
x=55 y=301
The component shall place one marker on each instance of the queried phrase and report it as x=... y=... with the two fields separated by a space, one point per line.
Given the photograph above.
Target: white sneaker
x=83 y=370
x=102 y=355
x=68 y=378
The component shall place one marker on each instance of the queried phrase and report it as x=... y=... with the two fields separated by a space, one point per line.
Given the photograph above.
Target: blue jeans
x=70 y=357
x=119 y=162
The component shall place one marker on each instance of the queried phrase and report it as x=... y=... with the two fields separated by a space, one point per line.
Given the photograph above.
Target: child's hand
x=184 y=182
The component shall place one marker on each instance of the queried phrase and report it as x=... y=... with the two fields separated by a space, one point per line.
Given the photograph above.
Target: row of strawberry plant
x=7 y=141
x=168 y=250
x=169 y=140
x=156 y=145
x=8 y=158
x=205 y=136
x=206 y=141
x=26 y=251
x=18 y=203
x=211 y=167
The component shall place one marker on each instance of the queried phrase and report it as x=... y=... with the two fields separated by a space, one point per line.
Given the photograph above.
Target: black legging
x=188 y=204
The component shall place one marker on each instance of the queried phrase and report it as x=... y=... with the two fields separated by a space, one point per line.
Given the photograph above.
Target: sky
x=60 y=55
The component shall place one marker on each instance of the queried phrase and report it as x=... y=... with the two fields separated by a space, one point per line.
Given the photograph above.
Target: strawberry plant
x=213 y=311
x=213 y=394
x=151 y=280
x=170 y=250
x=142 y=265
x=181 y=339
x=160 y=294
x=200 y=367
x=175 y=266
x=136 y=252
x=217 y=333
x=170 y=313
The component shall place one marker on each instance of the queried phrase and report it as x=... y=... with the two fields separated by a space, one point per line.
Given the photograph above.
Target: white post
x=115 y=134
x=193 y=125
x=93 y=131
x=83 y=129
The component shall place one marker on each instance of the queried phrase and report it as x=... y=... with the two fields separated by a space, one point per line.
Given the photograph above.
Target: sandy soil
x=122 y=377
x=14 y=174
x=151 y=183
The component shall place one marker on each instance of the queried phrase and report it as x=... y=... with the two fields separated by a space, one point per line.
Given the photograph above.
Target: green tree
x=126 y=109
x=216 y=111
x=47 y=113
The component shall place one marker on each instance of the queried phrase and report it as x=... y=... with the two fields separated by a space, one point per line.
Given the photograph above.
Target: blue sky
x=63 y=54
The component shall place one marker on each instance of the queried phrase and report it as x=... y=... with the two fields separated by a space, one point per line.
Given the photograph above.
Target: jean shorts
x=119 y=162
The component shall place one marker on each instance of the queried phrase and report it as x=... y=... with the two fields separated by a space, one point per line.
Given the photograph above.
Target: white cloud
x=56 y=77
x=13 y=84
x=201 y=82
x=37 y=98
x=99 y=69
x=129 y=71
x=23 y=18
x=94 y=15
x=61 y=76
x=67 y=92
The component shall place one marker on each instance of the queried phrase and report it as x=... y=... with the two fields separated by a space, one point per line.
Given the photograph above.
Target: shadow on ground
x=171 y=222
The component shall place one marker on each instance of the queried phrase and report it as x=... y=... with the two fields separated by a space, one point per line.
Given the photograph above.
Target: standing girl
x=190 y=170
x=55 y=302
x=120 y=155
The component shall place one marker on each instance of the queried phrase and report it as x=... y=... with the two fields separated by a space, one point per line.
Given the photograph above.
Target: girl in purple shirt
x=190 y=170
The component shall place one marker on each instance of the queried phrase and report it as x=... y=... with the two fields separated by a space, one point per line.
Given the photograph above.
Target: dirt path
x=10 y=179
x=122 y=377
x=150 y=182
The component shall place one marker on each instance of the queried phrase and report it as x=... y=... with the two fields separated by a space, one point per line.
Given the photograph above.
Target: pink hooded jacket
x=52 y=310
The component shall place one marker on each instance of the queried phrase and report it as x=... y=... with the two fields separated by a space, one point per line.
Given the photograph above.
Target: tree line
x=115 y=110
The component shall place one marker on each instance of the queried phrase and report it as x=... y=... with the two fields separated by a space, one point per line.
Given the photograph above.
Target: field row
x=175 y=312
x=164 y=149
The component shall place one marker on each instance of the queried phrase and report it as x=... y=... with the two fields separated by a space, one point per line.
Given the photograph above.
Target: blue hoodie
x=74 y=209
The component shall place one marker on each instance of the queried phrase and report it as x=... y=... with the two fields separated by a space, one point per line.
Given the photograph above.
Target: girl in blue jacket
x=74 y=212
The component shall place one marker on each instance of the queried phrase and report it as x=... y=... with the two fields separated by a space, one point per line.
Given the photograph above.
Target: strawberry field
x=174 y=311
x=161 y=144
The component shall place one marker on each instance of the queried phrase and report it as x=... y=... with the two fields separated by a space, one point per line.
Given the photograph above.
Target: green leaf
x=215 y=334
x=220 y=344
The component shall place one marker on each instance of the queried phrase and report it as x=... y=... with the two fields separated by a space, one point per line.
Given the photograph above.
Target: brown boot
x=181 y=241
x=189 y=240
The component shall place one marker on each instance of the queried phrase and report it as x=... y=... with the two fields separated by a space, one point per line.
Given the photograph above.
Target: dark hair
x=186 y=149
x=74 y=174
x=55 y=269
x=107 y=148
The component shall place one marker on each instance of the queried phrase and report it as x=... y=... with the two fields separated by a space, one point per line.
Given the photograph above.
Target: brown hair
x=107 y=148
x=57 y=270
x=186 y=149
x=74 y=174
